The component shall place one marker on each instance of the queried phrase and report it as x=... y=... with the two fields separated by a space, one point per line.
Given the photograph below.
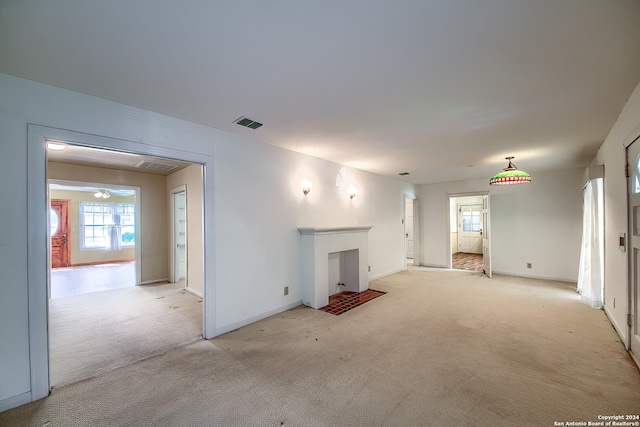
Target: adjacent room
x=99 y=303
x=319 y=213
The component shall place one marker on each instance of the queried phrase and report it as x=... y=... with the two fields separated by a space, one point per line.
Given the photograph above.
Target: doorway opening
x=467 y=232
x=411 y=240
x=114 y=231
x=93 y=237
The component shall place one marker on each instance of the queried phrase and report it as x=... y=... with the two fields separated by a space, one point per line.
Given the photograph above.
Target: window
x=471 y=218
x=107 y=225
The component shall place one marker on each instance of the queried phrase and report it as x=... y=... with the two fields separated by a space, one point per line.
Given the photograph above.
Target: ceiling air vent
x=250 y=123
x=165 y=167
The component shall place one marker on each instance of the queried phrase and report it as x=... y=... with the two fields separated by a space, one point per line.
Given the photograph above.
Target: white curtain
x=591 y=272
x=115 y=233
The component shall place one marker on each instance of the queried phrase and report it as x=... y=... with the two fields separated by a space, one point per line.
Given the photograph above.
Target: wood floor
x=464 y=261
x=80 y=280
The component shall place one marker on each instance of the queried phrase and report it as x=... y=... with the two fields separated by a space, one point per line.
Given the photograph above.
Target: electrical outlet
x=528 y=265
x=286 y=290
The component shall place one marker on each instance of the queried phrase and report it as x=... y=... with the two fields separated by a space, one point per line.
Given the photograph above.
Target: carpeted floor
x=441 y=348
x=93 y=333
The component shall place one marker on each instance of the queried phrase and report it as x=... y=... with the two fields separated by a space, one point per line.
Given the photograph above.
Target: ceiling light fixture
x=55 y=146
x=510 y=175
x=102 y=194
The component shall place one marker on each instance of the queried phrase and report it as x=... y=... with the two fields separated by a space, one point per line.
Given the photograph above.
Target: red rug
x=345 y=301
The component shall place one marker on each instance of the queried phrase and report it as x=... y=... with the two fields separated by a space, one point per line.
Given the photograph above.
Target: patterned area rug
x=345 y=301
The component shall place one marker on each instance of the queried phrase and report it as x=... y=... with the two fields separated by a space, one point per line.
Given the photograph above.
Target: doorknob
x=407 y=235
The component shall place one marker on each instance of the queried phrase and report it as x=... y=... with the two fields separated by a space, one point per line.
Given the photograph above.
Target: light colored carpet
x=441 y=348
x=93 y=333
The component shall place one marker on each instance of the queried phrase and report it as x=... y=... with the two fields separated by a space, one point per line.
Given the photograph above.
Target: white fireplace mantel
x=316 y=245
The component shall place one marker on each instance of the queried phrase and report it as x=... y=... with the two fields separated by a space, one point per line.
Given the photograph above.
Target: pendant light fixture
x=510 y=175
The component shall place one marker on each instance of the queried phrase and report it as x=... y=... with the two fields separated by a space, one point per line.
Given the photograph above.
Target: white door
x=470 y=229
x=408 y=227
x=486 y=233
x=180 y=236
x=633 y=161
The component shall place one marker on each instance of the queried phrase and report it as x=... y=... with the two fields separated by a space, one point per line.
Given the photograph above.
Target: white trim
x=39 y=255
x=620 y=331
x=416 y=228
x=631 y=138
x=389 y=273
x=196 y=293
x=152 y=281
x=15 y=401
x=531 y=276
x=172 y=237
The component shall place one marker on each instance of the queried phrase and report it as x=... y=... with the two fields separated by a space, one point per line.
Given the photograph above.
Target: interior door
x=470 y=229
x=180 y=236
x=59 y=223
x=633 y=161
x=486 y=234
x=408 y=227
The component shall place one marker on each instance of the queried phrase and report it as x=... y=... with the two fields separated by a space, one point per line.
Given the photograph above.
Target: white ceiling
x=443 y=89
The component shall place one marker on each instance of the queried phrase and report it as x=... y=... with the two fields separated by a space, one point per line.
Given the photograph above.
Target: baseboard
x=115 y=261
x=233 y=327
x=622 y=333
x=389 y=273
x=149 y=282
x=15 y=401
x=191 y=291
x=531 y=276
x=432 y=266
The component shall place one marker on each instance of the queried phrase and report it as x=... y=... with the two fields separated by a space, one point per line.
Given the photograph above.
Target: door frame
x=459 y=215
x=633 y=289
x=448 y=216
x=172 y=240
x=38 y=251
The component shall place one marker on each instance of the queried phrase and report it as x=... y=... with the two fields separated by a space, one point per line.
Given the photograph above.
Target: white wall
x=540 y=223
x=258 y=204
x=612 y=155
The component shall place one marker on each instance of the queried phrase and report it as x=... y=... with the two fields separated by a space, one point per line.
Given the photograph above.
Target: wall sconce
x=352 y=192
x=306 y=186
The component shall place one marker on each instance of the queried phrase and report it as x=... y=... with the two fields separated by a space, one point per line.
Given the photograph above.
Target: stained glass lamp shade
x=510 y=176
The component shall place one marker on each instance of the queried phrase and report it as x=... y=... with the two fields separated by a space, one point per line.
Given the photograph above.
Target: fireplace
x=332 y=260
